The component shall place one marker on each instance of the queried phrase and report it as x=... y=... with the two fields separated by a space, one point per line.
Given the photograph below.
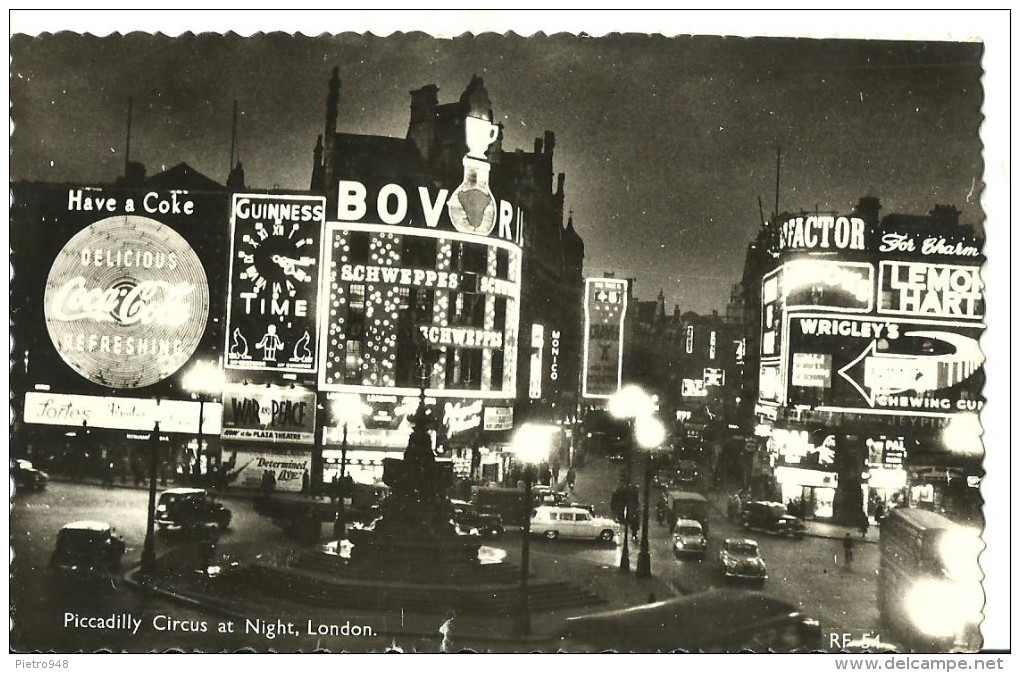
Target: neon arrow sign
x=891 y=373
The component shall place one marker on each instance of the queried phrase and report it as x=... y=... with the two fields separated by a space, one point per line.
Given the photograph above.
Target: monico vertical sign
x=272 y=312
x=605 y=307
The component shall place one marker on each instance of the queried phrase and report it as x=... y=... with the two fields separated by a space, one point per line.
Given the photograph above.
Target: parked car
x=771 y=517
x=739 y=559
x=87 y=548
x=573 y=522
x=485 y=519
x=689 y=539
x=189 y=508
x=28 y=477
x=716 y=621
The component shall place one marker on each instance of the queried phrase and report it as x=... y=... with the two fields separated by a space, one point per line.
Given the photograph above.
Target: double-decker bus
x=929 y=593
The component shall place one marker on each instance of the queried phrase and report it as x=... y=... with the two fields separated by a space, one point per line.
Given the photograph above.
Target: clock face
x=277 y=261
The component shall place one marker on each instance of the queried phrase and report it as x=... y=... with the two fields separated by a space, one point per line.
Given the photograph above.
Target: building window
x=357 y=297
x=419 y=252
x=502 y=263
x=359 y=247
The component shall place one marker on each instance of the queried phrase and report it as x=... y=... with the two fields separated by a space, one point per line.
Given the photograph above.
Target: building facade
x=437 y=260
x=868 y=375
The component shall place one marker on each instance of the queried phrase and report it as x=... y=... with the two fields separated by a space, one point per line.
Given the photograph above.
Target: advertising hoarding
x=268 y=413
x=771 y=314
x=931 y=290
x=473 y=211
x=272 y=300
x=498 y=418
x=121 y=413
x=288 y=466
x=126 y=300
x=828 y=284
x=887 y=365
x=605 y=309
x=392 y=291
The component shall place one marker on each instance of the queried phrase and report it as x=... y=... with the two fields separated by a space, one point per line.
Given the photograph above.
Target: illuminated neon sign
x=126 y=302
x=272 y=299
x=389 y=289
x=605 y=309
x=921 y=289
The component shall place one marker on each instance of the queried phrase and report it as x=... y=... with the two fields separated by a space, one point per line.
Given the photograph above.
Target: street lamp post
x=204 y=378
x=340 y=526
x=346 y=409
x=148 y=567
x=531 y=445
x=648 y=433
x=628 y=472
x=637 y=407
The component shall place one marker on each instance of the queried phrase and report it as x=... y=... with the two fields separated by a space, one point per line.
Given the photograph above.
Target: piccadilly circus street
x=808 y=573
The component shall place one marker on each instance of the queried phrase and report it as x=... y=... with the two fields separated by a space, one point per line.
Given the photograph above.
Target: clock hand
x=290 y=266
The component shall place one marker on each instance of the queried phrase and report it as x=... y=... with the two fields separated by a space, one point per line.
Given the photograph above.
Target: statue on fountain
x=416 y=528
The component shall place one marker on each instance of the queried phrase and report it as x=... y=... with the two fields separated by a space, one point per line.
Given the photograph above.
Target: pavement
x=179 y=579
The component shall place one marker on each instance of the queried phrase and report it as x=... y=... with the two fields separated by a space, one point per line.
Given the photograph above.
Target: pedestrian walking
x=571 y=477
x=848 y=550
x=305 y=482
x=865 y=524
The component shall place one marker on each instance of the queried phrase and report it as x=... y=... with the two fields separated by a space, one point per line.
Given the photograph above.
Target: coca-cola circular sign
x=127 y=302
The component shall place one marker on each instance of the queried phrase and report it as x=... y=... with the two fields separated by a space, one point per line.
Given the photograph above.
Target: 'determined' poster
x=272 y=313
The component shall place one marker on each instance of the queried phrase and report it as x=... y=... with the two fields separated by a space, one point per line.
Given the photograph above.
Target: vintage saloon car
x=771 y=517
x=739 y=559
x=190 y=508
x=689 y=539
x=87 y=548
x=486 y=520
x=573 y=522
x=28 y=477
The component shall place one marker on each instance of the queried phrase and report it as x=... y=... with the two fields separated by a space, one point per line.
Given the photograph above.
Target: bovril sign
x=126 y=302
x=419 y=206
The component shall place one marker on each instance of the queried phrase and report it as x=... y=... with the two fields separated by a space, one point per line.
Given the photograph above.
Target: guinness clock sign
x=126 y=302
x=274 y=282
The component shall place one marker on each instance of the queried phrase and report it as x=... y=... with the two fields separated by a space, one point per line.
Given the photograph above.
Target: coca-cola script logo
x=126 y=302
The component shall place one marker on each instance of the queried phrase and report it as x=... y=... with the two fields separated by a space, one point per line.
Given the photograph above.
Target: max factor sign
x=126 y=302
x=822 y=232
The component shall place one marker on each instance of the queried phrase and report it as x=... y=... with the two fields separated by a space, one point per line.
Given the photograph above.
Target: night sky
x=667 y=143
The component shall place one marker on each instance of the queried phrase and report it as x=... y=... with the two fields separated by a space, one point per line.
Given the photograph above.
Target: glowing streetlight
x=346 y=409
x=649 y=434
x=629 y=403
x=203 y=379
x=531 y=445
